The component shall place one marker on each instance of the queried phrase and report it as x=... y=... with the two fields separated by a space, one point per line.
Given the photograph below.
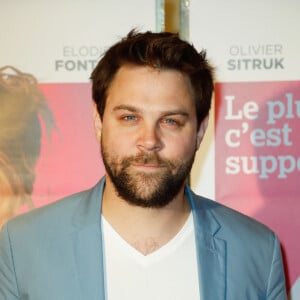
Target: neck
x=146 y=229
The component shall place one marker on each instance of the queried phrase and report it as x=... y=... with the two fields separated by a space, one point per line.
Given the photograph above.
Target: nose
x=149 y=138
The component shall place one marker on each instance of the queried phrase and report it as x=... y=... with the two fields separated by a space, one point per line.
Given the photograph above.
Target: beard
x=146 y=189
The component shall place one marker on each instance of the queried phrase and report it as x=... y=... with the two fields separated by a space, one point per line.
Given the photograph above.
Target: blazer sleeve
x=276 y=283
x=8 y=282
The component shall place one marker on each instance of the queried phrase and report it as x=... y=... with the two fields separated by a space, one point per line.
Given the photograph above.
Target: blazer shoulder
x=231 y=222
x=61 y=216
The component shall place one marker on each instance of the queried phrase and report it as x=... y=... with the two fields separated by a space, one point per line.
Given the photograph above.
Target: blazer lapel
x=211 y=252
x=88 y=248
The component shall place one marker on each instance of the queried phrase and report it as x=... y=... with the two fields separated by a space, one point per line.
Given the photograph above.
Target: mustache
x=145 y=158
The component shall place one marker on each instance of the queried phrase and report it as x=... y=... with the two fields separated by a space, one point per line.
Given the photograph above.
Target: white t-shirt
x=169 y=273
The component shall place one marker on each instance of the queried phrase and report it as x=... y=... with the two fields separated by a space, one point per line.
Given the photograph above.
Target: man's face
x=148 y=134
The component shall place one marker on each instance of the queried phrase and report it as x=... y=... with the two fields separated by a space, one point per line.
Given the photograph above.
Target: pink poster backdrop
x=70 y=158
x=258 y=159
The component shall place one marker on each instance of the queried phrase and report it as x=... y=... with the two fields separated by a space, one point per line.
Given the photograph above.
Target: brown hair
x=23 y=108
x=158 y=50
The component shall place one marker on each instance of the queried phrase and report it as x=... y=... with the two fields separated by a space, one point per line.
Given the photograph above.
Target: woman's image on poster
x=23 y=112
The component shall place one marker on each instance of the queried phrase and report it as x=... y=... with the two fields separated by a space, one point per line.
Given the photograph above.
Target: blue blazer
x=55 y=253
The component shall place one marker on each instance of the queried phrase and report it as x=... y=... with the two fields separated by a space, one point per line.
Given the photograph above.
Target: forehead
x=128 y=71
x=146 y=85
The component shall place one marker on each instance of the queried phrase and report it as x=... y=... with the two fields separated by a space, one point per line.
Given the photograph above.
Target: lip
x=148 y=167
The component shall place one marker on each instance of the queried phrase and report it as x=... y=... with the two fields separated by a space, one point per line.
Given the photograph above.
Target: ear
x=201 y=131
x=97 y=122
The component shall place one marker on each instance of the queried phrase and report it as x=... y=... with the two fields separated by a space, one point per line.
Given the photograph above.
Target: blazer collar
x=211 y=251
x=88 y=245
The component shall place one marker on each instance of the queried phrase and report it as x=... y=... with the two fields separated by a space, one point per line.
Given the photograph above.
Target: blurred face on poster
x=22 y=109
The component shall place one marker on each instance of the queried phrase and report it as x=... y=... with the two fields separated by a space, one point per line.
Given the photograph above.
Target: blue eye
x=130 y=118
x=170 y=121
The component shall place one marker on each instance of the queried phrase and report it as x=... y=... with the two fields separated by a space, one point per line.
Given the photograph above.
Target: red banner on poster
x=258 y=160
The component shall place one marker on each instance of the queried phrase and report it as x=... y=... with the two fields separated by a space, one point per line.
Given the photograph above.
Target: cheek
x=116 y=143
x=181 y=149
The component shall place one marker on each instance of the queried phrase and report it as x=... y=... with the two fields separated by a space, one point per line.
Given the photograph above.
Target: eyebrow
x=165 y=113
x=126 y=107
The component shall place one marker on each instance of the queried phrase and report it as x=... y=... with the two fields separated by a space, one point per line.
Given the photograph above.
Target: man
x=141 y=233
